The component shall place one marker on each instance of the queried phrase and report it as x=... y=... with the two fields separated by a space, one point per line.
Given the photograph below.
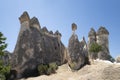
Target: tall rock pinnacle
x=76 y=52
x=102 y=39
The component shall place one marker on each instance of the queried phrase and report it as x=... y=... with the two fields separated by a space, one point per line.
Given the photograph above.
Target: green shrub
x=72 y=65
x=47 y=68
x=42 y=69
x=4 y=69
x=53 y=66
x=49 y=71
x=95 y=48
x=2 y=77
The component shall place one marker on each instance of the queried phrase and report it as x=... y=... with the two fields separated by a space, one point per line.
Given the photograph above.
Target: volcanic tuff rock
x=77 y=52
x=100 y=70
x=77 y=59
x=84 y=50
x=118 y=59
x=7 y=57
x=101 y=38
x=91 y=40
x=35 y=46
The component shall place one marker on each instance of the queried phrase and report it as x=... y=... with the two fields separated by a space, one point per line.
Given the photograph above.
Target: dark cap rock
x=74 y=26
x=102 y=30
x=24 y=17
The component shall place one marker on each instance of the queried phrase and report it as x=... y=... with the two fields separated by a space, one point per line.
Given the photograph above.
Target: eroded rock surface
x=35 y=46
x=101 y=37
x=76 y=57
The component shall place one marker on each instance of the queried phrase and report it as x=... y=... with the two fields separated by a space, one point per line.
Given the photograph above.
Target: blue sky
x=60 y=14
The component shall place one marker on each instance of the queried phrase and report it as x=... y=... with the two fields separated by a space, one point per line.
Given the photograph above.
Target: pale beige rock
x=118 y=59
x=99 y=70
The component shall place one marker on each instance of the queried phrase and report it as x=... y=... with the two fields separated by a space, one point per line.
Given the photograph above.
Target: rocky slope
x=99 y=70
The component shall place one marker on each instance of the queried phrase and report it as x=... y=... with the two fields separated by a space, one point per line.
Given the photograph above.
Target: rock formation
x=74 y=27
x=91 y=40
x=35 y=46
x=7 y=57
x=101 y=38
x=118 y=59
x=100 y=70
x=76 y=52
x=84 y=50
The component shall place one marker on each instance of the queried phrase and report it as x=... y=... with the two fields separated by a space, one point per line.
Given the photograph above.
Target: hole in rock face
x=55 y=48
x=58 y=45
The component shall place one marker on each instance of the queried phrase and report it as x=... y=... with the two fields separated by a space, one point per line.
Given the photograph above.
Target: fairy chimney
x=103 y=41
x=102 y=37
x=91 y=37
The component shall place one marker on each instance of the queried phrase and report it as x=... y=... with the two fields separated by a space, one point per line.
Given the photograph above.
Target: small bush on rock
x=72 y=65
x=47 y=68
x=42 y=69
x=95 y=48
x=53 y=66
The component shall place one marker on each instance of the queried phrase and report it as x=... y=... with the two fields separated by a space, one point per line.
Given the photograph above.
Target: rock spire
x=101 y=38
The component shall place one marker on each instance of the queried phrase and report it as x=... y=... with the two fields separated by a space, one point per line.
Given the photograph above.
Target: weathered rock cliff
x=35 y=46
